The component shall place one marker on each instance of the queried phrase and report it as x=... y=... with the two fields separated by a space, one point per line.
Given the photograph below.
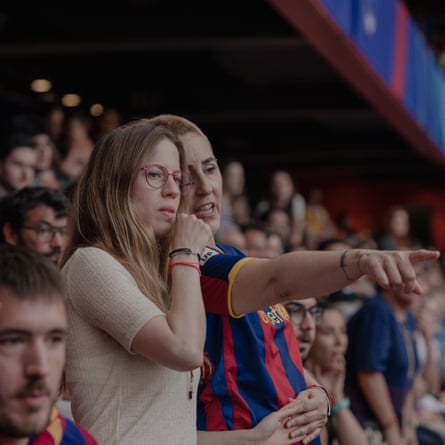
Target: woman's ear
x=10 y=234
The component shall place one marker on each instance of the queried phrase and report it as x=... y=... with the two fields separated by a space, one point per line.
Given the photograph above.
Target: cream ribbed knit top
x=120 y=397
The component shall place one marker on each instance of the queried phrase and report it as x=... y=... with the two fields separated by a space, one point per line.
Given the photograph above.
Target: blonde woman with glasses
x=137 y=320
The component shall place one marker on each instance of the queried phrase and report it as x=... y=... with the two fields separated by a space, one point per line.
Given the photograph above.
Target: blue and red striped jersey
x=256 y=363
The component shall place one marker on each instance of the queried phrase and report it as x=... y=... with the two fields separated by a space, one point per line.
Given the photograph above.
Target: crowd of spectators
x=393 y=366
x=384 y=356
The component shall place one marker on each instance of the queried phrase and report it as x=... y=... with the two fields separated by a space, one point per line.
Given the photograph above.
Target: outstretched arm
x=260 y=283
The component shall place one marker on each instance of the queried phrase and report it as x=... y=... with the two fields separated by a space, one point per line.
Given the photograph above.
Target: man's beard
x=32 y=423
x=56 y=251
x=305 y=337
x=10 y=428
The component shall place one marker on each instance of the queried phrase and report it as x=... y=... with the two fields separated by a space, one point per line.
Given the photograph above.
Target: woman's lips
x=168 y=212
x=205 y=211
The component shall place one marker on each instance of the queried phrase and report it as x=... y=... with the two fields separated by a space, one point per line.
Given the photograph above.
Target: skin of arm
x=305 y=274
x=428 y=324
x=431 y=370
x=348 y=430
x=375 y=390
x=324 y=438
x=177 y=339
x=409 y=421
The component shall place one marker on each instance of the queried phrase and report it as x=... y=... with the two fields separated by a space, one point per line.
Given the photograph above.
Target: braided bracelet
x=182 y=251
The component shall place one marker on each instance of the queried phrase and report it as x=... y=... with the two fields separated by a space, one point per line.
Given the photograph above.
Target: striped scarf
x=62 y=431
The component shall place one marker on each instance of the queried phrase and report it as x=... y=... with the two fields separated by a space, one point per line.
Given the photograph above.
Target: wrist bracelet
x=182 y=251
x=327 y=394
x=343 y=264
x=341 y=404
x=184 y=263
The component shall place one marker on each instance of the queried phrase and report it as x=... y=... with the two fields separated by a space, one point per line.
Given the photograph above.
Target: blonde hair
x=102 y=212
x=178 y=124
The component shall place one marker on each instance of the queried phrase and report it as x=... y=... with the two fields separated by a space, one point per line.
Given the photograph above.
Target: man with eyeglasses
x=304 y=315
x=37 y=218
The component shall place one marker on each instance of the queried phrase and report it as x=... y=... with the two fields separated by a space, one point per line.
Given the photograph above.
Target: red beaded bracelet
x=328 y=395
x=184 y=263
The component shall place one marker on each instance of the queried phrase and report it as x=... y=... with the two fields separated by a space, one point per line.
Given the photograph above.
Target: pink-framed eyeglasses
x=157 y=176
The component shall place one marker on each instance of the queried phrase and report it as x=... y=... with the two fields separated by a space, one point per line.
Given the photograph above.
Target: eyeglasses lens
x=156 y=176
x=298 y=312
